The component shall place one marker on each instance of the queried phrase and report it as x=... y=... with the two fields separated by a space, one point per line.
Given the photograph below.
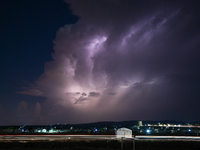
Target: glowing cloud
x=112 y=67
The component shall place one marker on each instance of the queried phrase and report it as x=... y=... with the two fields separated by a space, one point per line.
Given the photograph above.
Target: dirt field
x=100 y=145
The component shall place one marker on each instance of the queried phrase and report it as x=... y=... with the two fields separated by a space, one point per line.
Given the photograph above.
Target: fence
x=127 y=139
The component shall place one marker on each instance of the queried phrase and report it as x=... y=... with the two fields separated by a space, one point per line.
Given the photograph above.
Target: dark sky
x=78 y=61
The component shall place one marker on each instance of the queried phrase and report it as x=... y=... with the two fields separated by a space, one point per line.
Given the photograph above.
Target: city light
x=148 y=131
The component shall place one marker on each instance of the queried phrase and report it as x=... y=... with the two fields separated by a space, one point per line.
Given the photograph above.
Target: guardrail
x=128 y=139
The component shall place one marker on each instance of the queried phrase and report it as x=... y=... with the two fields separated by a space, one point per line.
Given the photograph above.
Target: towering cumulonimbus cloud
x=122 y=60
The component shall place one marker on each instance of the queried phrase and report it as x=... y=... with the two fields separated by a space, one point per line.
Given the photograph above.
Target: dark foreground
x=88 y=144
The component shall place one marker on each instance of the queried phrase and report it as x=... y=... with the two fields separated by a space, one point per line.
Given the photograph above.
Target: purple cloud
x=143 y=53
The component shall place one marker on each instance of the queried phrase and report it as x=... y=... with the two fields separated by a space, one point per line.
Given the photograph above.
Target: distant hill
x=108 y=124
x=113 y=124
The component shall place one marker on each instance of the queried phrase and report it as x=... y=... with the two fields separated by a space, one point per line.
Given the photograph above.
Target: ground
x=89 y=144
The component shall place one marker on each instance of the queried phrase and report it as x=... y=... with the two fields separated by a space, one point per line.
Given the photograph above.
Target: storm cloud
x=123 y=60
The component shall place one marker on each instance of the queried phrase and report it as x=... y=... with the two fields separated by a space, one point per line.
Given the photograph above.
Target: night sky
x=77 y=61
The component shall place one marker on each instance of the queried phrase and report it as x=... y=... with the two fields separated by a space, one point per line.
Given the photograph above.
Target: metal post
x=122 y=143
x=133 y=144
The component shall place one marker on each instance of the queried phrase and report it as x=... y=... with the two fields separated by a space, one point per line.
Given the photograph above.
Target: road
x=64 y=137
x=53 y=137
x=168 y=137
